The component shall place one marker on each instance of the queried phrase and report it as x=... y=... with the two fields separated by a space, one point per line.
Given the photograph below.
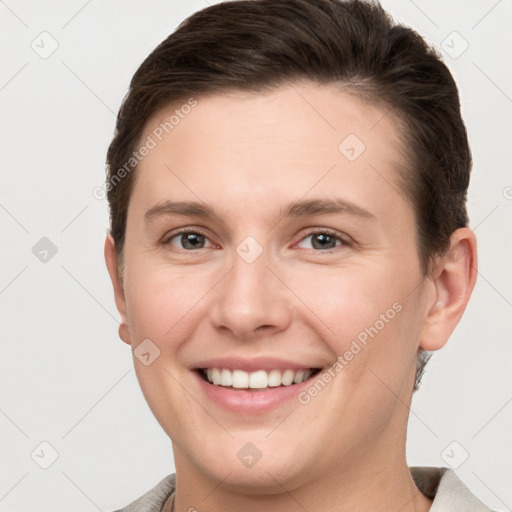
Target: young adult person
x=289 y=239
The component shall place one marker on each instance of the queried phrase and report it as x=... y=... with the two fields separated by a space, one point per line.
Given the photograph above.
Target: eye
x=188 y=240
x=322 y=240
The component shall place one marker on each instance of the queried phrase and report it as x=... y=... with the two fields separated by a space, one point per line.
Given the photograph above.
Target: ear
x=453 y=281
x=117 y=283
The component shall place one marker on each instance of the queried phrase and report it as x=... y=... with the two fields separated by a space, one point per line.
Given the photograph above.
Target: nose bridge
x=250 y=296
x=249 y=273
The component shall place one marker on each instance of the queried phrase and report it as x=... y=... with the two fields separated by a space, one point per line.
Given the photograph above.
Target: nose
x=250 y=301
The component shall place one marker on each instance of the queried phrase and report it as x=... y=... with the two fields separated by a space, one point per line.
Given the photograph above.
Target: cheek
x=161 y=303
x=165 y=306
x=368 y=317
x=349 y=300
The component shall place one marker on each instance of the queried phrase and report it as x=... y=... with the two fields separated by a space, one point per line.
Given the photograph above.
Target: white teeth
x=226 y=378
x=299 y=376
x=240 y=379
x=215 y=378
x=287 y=377
x=259 y=379
x=274 y=378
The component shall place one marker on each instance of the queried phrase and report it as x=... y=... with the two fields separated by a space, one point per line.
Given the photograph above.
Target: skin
x=247 y=156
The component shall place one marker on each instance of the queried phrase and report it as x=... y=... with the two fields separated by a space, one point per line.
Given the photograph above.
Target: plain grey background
x=76 y=431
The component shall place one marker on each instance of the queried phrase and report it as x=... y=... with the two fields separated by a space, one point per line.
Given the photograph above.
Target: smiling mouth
x=258 y=380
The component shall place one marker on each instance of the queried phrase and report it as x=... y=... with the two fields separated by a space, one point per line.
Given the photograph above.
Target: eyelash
x=324 y=231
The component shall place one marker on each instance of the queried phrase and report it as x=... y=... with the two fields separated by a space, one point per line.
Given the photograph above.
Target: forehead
x=295 y=140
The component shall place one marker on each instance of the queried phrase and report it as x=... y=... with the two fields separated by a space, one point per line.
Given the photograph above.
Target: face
x=269 y=249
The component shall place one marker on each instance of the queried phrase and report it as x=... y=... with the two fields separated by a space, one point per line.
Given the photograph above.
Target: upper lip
x=253 y=364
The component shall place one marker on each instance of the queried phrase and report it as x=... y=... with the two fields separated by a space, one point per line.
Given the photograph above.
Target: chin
x=243 y=467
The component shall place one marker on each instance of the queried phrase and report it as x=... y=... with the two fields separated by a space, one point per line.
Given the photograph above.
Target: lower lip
x=257 y=401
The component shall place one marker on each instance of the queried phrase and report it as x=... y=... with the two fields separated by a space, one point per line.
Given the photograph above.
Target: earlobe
x=124 y=333
x=117 y=284
x=453 y=281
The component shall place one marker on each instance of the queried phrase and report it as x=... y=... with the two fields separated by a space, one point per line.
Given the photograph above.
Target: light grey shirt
x=440 y=484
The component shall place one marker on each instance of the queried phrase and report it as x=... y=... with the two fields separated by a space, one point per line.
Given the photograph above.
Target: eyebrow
x=186 y=208
x=312 y=207
x=301 y=208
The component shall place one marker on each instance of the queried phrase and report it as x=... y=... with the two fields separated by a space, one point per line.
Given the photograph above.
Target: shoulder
x=447 y=490
x=154 y=499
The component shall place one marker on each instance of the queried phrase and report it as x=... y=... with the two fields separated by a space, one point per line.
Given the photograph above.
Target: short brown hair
x=259 y=45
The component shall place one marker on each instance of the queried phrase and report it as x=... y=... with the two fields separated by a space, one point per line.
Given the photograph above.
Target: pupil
x=192 y=240
x=324 y=241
